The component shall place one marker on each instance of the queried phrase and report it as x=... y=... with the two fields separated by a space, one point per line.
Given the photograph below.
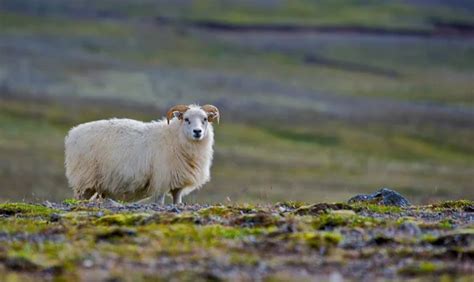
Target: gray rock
x=384 y=196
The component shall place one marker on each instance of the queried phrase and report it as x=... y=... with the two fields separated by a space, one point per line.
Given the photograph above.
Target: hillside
x=319 y=101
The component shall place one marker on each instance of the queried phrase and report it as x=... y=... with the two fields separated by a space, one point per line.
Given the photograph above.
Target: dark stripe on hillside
x=440 y=29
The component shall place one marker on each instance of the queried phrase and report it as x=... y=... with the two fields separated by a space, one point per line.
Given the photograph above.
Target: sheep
x=129 y=160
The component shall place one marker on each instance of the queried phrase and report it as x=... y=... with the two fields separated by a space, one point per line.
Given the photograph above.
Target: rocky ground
x=123 y=242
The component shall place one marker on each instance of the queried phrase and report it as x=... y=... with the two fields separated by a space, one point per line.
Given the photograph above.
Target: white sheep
x=129 y=160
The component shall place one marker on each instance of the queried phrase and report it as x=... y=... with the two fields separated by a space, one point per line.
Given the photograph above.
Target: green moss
x=291 y=204
x=446 y=224
x=427 y=267
x=376 y=208
x=122 y=219
x=182 y=218
x=317 y=240
x=221 y=211
x=30 y=225
x=429 y=238
x=242 y=237
x=245 y=259
x=23 y=209
x=456 y=205
x=72 y=202
x=420 y=268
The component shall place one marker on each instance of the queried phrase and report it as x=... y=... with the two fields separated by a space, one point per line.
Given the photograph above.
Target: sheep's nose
x=197 y=131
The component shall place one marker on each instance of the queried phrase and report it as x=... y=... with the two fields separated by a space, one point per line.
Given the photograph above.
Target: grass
x=361 y=158
x=14 y=22
x=300 y=12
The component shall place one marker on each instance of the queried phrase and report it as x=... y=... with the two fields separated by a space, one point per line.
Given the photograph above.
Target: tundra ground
x=80 y=241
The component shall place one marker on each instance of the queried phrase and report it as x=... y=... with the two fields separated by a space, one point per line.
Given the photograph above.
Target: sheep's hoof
x=111 y=203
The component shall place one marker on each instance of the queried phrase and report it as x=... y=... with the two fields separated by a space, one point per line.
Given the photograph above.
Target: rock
x=54 y=217
x=384 y=196
x=174 y=209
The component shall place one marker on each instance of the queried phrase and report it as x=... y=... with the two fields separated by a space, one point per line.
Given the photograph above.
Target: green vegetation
x=22 y=209
x=377 y=208
x=422 y=268
x=301 y=12
x=466 y=205
x=306 y=116
x=224 y=241
x=327 y=12
x=13 y=23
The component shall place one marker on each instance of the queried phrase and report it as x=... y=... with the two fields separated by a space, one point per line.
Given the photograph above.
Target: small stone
x=87 y=263
x=48 y=204
x=175 y=209
x=54 y=217
x=411 y=228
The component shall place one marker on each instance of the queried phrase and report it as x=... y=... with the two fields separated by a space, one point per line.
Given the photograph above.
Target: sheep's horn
x=177 y=108
x=212 y=113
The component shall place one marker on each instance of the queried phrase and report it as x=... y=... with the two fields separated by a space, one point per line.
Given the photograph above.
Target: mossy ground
x=82 y=241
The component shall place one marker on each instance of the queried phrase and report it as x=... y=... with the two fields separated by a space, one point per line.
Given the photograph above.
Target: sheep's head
x=195 y=119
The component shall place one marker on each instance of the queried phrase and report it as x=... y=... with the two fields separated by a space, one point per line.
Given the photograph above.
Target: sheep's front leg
x=177 y=196
x=159 y=199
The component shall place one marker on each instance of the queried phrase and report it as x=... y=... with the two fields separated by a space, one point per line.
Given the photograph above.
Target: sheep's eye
x=205 y=119
x=186 y=119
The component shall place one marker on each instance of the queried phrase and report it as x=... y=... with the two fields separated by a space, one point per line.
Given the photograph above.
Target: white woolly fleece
x=129 y=160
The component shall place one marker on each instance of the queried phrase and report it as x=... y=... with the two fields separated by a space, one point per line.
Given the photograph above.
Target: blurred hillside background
x=320 y=100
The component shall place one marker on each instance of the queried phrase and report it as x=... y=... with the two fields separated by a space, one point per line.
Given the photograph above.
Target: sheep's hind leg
x=97 y=197
x=159 y=199
x=177 y=196
x=94 y=197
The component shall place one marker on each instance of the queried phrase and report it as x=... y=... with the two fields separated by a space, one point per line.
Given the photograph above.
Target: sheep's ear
x=176 y=111
x=212 y=113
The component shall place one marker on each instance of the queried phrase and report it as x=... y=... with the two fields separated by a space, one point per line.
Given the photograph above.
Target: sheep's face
x=195 y=124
